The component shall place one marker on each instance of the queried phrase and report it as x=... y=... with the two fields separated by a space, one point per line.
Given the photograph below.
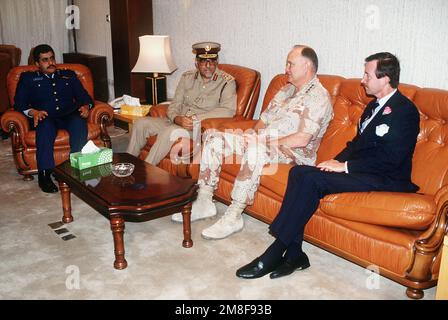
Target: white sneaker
x=202 y=208
x=224 y=227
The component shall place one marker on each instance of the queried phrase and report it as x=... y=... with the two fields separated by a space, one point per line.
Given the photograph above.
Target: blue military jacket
x=59 y=94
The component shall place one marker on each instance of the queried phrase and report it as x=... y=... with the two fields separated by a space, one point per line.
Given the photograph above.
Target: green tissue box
x=94 y=172
x=82 y=161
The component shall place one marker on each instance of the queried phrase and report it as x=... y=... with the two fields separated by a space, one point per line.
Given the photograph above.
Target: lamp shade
x=155 y=55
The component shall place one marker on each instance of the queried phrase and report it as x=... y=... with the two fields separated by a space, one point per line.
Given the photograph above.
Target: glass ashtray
x=123 y=169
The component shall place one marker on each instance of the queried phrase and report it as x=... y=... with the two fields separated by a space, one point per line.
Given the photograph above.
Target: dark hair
x=42 y=48
x=387 y=65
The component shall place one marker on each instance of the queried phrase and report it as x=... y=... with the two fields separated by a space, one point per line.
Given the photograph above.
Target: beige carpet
x=38 y=264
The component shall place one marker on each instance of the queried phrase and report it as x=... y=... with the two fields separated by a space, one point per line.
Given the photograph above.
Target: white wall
x=259 y=34
x=94 y=33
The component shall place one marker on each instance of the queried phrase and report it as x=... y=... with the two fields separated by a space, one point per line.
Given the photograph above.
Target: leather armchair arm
x=14 y=120
x=159 y=110
x=237 y=124
x=215 y=123
x=431 y=241
x=441 y=218
x=101 y=113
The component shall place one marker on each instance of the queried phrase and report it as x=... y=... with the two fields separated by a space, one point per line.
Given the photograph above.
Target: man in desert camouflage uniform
x=289 y=130
x=206 y=92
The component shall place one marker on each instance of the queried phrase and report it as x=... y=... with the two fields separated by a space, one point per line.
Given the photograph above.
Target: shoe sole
x=306 y=266
x=210 y=238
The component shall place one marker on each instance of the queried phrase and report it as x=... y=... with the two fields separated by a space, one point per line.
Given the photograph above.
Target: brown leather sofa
x=247 y=91
x=399 y=233
x=9 y=58
x=23 y=137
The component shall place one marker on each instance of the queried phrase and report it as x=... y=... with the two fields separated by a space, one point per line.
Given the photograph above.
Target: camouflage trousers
x=252 y=158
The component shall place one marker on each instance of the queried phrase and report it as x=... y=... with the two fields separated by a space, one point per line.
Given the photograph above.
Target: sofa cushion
x=393 y=209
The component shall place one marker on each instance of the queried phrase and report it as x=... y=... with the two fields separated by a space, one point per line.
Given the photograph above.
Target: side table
x=442 y=284
x=125 y=121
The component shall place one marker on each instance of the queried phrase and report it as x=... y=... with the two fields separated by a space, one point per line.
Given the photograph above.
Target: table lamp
x=155 y=57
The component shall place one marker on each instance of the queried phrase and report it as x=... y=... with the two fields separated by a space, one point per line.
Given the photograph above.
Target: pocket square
x=381 y=130
x=387 y=110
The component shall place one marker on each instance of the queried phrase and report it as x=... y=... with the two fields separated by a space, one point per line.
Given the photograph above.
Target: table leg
x=186 y=218
x=117 y=226
x=66 y=203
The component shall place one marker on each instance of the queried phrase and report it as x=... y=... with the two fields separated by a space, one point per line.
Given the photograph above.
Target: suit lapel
x=371 y=127
x=366 y=113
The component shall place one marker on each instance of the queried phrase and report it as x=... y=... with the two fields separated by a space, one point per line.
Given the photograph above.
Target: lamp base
x=155 y=89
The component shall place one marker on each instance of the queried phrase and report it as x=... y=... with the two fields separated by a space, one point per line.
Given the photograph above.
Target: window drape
x=27 y=23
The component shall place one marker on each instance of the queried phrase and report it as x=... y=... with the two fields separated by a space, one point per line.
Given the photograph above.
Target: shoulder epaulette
x=227 y=77
x=189 y=73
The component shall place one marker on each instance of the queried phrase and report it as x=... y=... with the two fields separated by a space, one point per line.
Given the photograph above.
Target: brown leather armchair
x=247 y=91
x=9 y=58
x=23 y=137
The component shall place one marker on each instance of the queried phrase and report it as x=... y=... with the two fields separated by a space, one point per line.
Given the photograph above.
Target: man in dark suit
x=379 y=158
x=54 y=99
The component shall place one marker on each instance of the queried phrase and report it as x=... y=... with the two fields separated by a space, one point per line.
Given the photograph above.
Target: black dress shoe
x=45 y=183
x=289 y=266
x=256 y=269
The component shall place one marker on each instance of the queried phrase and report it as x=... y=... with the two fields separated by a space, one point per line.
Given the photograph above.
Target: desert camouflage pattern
x=308 y=110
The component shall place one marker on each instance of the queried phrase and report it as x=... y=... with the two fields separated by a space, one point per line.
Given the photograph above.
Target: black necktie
x=363 y=125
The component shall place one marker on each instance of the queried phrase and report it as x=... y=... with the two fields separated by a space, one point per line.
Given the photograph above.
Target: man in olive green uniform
x=206 y=92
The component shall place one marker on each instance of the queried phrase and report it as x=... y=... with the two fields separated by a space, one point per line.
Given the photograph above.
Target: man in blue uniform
x=53 y=99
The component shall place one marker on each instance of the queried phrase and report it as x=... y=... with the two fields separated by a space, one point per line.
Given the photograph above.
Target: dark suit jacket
x=386 y=155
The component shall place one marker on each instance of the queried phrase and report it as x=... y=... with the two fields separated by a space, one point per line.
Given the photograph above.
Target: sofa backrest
x=82 y=72
x=14 y=53
x=331 y=83
x=247 y=91
x=5 y=66
x=430 y=160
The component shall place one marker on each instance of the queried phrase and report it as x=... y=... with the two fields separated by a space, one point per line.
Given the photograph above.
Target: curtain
x=27 y=23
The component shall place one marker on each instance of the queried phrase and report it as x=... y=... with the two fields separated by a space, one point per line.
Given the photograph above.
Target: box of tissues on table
x=90 y=156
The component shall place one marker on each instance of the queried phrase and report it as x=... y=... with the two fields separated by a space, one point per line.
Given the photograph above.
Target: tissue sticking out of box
x=90 y=147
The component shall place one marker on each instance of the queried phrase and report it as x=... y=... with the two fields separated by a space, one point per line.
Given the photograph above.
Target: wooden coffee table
x=149 y=193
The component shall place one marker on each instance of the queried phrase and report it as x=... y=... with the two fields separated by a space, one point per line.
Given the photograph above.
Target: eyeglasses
x=204 y=62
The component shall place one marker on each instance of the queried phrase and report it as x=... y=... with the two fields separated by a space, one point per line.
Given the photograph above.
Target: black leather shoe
x=45 y=183
x=289 y=266
x=256 y=269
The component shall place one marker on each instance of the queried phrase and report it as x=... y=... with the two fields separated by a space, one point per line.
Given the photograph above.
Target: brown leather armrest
x=101 y=111
x=215 y=123
x=237 y=124
x=17 y=120
x=159 y=111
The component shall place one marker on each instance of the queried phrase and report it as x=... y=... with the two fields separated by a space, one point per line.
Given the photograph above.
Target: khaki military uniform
x=308 y=111
x=213 y=99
